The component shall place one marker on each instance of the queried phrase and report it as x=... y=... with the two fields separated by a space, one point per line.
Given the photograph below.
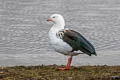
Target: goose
x=67 y=41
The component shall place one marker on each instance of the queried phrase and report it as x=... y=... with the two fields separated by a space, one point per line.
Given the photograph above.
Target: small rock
x=69 y=78
x=115 y=77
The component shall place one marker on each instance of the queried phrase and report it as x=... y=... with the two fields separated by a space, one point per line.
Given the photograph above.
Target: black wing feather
x=78 y=42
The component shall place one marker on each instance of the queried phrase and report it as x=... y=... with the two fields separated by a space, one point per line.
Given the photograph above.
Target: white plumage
x=58 y=44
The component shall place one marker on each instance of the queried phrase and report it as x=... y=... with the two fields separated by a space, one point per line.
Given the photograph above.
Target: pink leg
x=68 y=64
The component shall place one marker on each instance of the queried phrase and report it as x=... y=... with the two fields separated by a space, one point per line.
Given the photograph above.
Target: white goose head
x=57 y=19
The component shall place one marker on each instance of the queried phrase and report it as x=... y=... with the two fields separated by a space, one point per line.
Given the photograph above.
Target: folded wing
x=78 y=42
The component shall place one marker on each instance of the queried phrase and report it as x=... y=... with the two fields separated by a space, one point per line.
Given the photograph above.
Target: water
x=23 y=30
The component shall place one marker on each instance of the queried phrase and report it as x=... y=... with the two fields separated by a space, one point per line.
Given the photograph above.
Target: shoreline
x=51 y=72
x=110 y=58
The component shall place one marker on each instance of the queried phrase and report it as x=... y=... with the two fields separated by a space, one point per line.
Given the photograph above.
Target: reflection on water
x=23 y=30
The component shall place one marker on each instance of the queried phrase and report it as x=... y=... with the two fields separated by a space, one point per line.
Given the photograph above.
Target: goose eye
x=54 y=17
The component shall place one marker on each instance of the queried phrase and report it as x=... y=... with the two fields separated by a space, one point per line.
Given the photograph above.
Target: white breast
x=58 y=44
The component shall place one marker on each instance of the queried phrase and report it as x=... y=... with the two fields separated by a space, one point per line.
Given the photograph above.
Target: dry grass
x=51 y=72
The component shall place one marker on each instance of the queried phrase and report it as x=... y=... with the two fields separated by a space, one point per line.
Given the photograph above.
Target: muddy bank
x=52 y=72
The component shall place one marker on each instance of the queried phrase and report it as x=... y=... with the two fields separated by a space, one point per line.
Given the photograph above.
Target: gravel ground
x=52 y=72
